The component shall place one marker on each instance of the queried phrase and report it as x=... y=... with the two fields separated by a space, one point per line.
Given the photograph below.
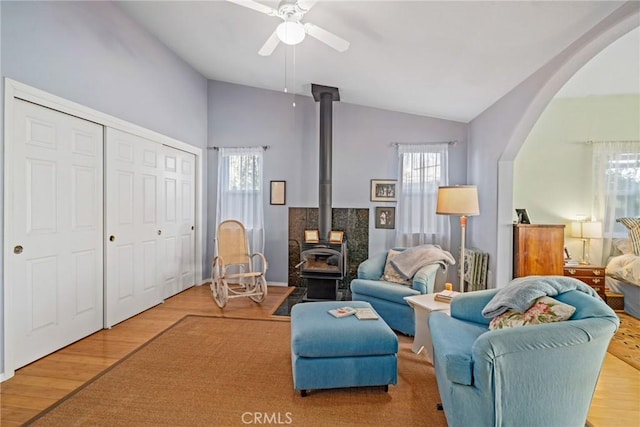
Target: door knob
x=159 y=232
x=17 y=250
x=193 y=227
x=112 y=238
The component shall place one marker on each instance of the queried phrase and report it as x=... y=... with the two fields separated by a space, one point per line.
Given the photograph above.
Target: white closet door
x=178 y=221
x=133 y=198
x=55 y=231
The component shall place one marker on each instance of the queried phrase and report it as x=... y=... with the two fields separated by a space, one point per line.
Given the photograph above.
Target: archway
x=545 y=84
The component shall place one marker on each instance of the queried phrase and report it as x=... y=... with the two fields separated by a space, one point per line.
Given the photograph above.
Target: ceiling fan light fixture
x=291 y=32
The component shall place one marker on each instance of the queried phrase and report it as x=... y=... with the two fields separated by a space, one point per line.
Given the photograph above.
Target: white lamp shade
x=586 y=229
x=458 y=200
x=290 y=32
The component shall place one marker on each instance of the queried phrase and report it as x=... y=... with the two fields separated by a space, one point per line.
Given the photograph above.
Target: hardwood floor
x=44 y=382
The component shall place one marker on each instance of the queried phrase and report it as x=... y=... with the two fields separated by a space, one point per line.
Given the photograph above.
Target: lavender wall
x=244 y=116
x=95 y=55
x=496 y=136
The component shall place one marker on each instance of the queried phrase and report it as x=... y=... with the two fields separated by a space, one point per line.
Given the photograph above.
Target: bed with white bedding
x=623 y=275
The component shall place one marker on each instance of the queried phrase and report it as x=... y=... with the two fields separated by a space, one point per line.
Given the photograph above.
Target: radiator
x=476 y=264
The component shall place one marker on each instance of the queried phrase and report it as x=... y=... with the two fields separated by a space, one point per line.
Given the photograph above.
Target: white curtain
x=616 y=186
x=240 y=192
x=422 y=169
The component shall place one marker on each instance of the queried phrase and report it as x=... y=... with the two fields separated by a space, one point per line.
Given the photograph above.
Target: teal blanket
x=521 y=293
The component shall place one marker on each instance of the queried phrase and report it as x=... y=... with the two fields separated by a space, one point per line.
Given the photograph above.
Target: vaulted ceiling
x=445 y=59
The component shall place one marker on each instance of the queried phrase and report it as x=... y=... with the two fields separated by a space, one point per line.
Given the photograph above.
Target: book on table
x=366 y=314
x=445 y=296
x=342 y=311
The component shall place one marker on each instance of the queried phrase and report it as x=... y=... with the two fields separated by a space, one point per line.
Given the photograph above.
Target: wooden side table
x=422 y=306
x=592 y=275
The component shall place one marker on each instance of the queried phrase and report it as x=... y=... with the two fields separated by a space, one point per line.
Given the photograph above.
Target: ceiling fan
x=292 y=31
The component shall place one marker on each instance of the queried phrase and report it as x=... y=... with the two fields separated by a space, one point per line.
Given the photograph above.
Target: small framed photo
x=385 y=217
x=311 y=236
x=278 y=193
x=336 y=236
x=384 y=190
x=523 y=216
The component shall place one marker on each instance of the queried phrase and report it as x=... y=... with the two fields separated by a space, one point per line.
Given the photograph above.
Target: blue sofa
x=536 y=375
x=387 y=298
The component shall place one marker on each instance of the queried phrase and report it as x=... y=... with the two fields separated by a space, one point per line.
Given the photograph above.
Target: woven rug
x=233 y=372
x=625 y=344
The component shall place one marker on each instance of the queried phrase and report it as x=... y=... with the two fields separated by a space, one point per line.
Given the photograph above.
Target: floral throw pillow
x=391 y=274
x=633 y=225
x=544 y=310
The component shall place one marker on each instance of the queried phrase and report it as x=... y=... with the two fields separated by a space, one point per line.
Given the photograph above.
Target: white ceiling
x=614 y=71
x=445 y=59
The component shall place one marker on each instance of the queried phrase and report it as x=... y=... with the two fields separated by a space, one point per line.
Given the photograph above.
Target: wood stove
x=323 y=265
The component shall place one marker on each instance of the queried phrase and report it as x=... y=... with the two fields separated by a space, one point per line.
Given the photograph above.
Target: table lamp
x=586 y=230
x=460 y=200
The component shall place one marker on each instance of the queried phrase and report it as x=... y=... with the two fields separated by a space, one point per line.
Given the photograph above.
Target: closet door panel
x=133 y=195
x=178 y=220
x=54 y=267
x=187 y=219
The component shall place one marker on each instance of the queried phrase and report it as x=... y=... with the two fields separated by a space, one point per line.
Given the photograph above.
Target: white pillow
x=623 y=245
x=391 y=274
x=633 y=225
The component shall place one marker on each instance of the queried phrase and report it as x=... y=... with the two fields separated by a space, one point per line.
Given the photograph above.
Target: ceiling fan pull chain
x=294 y=77
x=285 y=68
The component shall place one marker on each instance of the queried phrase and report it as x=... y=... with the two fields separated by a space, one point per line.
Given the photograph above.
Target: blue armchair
x=387 y=298
x=537 y=375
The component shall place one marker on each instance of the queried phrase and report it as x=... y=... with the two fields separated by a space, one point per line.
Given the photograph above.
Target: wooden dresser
x=538 y=249
x=592 y=275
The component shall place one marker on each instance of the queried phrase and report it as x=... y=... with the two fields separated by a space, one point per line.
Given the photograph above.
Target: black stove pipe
x=325 y=95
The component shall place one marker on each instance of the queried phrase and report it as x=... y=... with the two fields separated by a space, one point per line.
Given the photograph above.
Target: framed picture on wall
x=385 y=217
x=384 y=190
x=278 y=193
x=523 y=216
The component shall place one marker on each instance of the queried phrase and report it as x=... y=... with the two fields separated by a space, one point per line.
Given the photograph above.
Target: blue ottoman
x=329 y=352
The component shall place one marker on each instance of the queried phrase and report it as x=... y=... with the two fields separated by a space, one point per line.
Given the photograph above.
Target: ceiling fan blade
x=326 y=37
x=255 y=6
x=306 y=5
x=270 y=45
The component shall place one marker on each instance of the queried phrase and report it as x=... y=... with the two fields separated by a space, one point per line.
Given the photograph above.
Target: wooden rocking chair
x=232 y=274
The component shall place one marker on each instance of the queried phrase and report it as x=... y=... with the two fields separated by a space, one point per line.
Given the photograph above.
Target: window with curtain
x=616 y=186
x=240 y=191
x=422 y=168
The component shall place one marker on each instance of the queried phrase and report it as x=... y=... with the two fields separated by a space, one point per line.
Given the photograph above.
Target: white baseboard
x=6 y=375
x=277 y=283
x=269 y=283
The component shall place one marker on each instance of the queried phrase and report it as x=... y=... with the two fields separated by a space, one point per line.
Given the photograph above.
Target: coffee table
x=423 y=305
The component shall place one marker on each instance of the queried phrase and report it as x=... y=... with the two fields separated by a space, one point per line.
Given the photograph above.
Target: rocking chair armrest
x=265 y=265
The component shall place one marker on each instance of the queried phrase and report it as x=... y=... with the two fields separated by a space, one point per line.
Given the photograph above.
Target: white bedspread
x=625 y=267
